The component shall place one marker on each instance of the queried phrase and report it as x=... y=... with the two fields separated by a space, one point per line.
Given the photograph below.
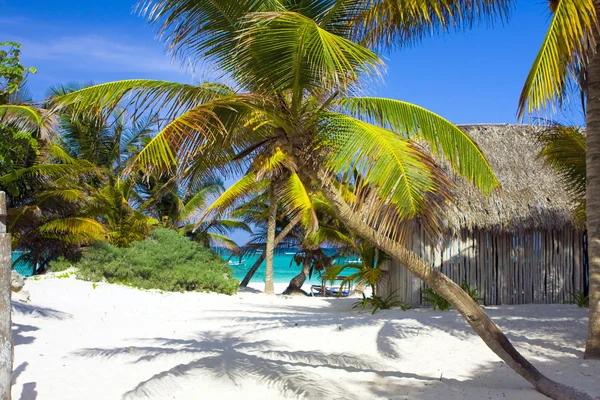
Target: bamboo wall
x=532 y=267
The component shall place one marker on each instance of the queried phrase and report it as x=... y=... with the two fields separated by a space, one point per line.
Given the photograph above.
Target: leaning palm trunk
x=592 y=349
x=284 y=232
x=296 y=283
x=270 y=250
x=460 y=300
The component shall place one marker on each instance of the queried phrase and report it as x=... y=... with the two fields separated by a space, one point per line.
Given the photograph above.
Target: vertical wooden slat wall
x=530 y=267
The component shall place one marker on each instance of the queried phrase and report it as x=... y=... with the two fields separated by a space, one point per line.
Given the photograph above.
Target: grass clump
x=165 y=261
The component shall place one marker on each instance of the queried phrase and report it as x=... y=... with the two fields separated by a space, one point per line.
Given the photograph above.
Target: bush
x=380 y=303
x=60 y=264
x=166 y=261
x=580 y=299
x=438 y=302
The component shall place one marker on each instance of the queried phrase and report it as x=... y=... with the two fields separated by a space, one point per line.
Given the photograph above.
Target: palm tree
x=272 y=179
x=295 y=66
x=569 y=55
x=178 y=206
x=568 y=58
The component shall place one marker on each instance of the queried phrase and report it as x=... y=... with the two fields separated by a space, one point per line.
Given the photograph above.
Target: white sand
x=114 y=342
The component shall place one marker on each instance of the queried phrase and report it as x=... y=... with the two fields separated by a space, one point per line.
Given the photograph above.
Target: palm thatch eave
x=531 y=197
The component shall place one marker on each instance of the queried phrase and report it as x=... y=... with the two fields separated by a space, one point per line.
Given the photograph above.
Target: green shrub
x=580 y=299
x=472 y=292
x=60 y=264
x=437 y=301
x=165 y=261
x=380 y=303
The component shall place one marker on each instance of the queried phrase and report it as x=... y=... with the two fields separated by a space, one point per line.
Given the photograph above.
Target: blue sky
x=469 y=77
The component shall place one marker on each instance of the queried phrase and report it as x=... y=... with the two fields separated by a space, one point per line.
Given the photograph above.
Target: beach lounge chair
x=326 y=288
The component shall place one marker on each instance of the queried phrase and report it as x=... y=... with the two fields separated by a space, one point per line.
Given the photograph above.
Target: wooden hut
x=518 y=245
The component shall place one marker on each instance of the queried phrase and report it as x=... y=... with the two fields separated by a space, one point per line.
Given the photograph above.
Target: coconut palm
x=271 y=178
x=178 y=206
x=567 y=60
x=294 y=65
x=568 y=55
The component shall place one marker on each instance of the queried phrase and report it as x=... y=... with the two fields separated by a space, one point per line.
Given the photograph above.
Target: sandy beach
x=77 y=341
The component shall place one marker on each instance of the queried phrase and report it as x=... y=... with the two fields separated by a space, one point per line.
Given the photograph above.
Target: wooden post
x=6 y=338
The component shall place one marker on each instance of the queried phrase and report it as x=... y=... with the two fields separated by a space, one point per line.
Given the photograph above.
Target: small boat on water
x=356 y=261
x=237 y=263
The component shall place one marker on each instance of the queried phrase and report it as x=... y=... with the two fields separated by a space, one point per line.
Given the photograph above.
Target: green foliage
x=362 y=303
x=12 y=73
x=438 y=302
x=60 y=264
x=472 y=292
x=564 y=150
x=580 y=299
x=165 y=261
x=295 y=67
x=380 y=303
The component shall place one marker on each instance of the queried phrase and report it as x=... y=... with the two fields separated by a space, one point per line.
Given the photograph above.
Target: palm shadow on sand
x=234 y=358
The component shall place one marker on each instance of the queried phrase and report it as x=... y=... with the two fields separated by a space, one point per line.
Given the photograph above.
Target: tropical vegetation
x=289 y=126
x=165 y=261
x=294 y=66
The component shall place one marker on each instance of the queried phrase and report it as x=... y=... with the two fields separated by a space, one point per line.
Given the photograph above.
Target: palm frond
x=395 y=165
x=286 y=50
x=326 y=235
x=418 y=123
x=217 y=239
x=73 y=229
x=198 y=201
x=564 y=50
x=142 y=95
x=564 y=149
x=390 y=23
x=295 y=199
x=20 y=115
x=246 y=186
x=228 y=226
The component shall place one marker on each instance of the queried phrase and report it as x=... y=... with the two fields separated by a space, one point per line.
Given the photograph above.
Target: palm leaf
x=244 y=187
x=198 y=201
x=21 y=115
x=286 y=50
x=295 y=199
x=564 y=150
x=418 y=123
x=168 y=98
x=564 y=50
x=73 y=229
x=390 y=23
x=387 y=161
x=224 y=241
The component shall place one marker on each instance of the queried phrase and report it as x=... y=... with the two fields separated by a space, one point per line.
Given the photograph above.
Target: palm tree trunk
x=296 y=283
x=592 y=348
x=284 y=232
x=462 y=302
x=270 y=250
x=6 y=337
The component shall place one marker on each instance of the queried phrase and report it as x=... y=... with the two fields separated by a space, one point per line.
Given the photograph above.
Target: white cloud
x=99 y=53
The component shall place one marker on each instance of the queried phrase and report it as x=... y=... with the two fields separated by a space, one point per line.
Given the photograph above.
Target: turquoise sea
x=284 y=266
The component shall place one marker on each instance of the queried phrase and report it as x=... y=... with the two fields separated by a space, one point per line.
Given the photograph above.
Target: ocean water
x=23 y=268
x=284 y=267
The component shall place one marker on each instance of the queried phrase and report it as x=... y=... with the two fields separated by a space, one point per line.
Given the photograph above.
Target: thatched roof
x=531 y=196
